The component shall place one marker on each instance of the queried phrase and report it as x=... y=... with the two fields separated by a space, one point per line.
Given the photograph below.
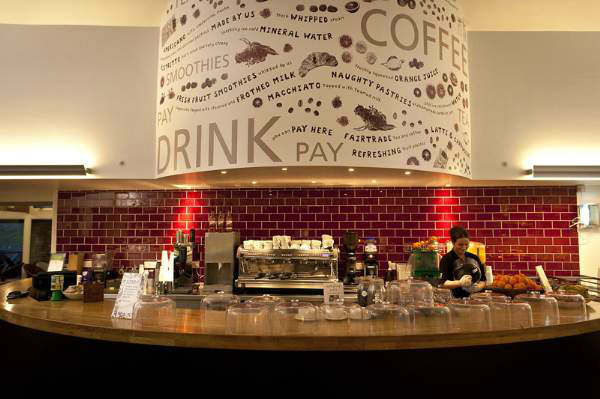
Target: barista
x=462 y=272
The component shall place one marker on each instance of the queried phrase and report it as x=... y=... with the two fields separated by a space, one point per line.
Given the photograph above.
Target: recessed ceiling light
x=350 y=169
x=407 y=173
x=254 y=182
x=373 y=181
x=448 y=185
x=223 y=172
x=284 y=169
x=313 y=182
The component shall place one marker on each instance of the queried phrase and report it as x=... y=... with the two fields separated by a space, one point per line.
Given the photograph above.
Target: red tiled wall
x=521 y=227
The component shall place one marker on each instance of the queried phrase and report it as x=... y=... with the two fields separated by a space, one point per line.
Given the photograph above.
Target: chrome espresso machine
x=284 y=264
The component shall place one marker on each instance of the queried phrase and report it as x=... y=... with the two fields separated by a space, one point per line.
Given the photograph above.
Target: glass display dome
x=544 y=308
x=389 y=319
x=154 y=312
x=248 y=318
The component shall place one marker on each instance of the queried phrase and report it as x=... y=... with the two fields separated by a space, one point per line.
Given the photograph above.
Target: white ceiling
x=481 y=15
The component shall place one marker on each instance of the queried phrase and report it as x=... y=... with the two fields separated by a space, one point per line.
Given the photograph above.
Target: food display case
x=287 y=268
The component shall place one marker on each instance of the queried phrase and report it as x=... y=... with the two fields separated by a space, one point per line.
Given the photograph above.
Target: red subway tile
x=571 y=266
x=544 y=257
x=509 y=208
x=553 y=266
x=558 y=257
x=518 y=216
x=552 y=249
x=527 y=257
x=552 y=233
x=571 y=249
x=561 y=224
x=328 y=201
x=501 y=216
x=568 y=200
x=528 y=200
x=491 y=192
x=568 y=216
x=551 y=200
x=475 y=192
x=507 y=192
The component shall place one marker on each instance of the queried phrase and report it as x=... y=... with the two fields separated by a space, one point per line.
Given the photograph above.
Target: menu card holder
x=129 y=292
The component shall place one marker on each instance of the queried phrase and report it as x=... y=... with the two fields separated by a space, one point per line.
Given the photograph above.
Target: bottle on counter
x=87 y=275
x=391 y=274
x=194 y=252
x=228 y=222
x=150 y=281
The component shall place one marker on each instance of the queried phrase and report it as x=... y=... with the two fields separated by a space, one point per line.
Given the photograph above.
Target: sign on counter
x=129 y=292
x=57 y=262
x=333 y=292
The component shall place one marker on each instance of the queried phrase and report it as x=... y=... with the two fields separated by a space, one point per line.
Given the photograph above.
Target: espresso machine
x=350 y=244
x=370 y=258
x=220 y=262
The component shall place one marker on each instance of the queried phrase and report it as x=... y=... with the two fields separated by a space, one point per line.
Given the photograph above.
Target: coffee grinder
x=370 y=258
x=350 y=244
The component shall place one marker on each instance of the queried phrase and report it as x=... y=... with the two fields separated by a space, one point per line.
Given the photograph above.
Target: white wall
x=589 y=239
x=79 y=94
x=535 y=98
x=83 y=94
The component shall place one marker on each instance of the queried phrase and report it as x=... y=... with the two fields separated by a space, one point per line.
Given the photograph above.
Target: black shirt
x=453 y=268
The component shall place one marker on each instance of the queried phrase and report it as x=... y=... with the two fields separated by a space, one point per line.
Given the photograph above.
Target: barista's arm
x=451 y=284
x=465 y=281
x=480 y=286
x=447 y=277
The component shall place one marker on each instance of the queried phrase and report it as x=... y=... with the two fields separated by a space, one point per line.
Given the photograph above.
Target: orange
x=530 y=284
x=508 y=287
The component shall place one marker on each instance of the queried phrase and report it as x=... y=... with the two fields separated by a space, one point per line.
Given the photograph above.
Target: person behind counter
x=462 y=272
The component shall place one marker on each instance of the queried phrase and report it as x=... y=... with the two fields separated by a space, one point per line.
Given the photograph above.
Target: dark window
x=11 y=242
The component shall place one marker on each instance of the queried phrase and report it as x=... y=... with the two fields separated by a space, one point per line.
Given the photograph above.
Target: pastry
x=315 y=60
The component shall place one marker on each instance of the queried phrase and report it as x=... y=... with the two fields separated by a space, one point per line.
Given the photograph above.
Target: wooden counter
x=190 y=329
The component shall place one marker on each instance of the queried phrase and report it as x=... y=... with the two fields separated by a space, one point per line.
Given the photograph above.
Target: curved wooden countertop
x=191 y=330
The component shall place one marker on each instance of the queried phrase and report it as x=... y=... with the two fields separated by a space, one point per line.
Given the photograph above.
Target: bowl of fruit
x=512 y=285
